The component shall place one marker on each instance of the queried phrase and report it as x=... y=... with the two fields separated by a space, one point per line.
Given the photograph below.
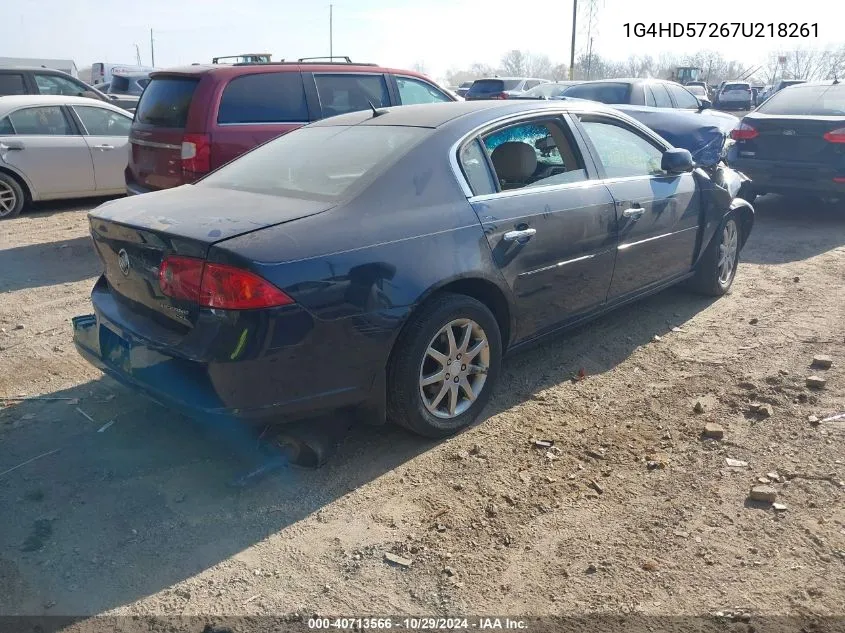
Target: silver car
x=737 y=95
x=60 y=147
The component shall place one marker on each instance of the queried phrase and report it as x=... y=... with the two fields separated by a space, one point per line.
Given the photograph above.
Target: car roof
x=11 y=102
x=433 y=115
x=235 y=70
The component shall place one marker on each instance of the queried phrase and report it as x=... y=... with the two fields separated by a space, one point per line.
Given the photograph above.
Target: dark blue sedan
x=385 y=261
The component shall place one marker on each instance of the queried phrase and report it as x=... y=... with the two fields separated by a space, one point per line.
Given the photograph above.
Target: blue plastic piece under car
x=703 y=133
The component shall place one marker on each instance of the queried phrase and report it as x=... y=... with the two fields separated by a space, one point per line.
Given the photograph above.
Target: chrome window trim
x=622 y=247
x=560 y=264
x=553 y=112
x=143 y=143
x=263 y=123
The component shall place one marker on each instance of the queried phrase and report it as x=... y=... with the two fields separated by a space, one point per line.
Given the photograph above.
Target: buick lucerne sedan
x=385 y=261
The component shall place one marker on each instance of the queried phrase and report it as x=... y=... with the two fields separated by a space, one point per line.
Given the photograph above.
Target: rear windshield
x=807 y=100
x=737 y=87
x=602 y=92
x=321 y=163
x=492 y=86
x=166 y=101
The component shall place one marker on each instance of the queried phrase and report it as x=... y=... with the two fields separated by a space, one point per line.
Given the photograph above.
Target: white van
x=101 y=72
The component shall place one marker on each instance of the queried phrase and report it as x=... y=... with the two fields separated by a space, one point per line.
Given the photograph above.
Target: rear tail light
x=212 y=285
x=835 y=136
x=501 y=95
x=744 y=132
x=839 y=180
x=196 y=153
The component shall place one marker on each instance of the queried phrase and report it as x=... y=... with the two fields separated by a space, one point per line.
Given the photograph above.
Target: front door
x=107 y=135
x=49 y=151
x=658 y=214
x=550 y=227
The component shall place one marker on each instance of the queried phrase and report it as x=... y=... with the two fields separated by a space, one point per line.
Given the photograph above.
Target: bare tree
x=420 y=67
x=515 y=63
x=539 y=66
x=560 y=72
x=639 y=66
x=481 y=70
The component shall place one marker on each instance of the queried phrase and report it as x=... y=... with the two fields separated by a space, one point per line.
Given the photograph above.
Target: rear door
x=155 y=159
x=107 y=135
x=49 y=151
x=551 y=228
x=657 y=214
x=254 y=109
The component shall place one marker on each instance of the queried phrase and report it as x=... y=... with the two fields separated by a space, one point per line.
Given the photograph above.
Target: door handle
x=633 y=212
x=105 y=148
x=524 y=234
x=10 y=145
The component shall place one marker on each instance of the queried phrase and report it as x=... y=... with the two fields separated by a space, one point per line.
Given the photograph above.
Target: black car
x=795 y=141
x=656 y=93
x=386 y=260
x=25 y=80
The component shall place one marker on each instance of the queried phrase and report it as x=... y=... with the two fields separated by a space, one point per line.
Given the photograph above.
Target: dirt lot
x=141 y=518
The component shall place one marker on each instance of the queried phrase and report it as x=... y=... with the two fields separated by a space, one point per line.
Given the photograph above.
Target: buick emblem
x=789 y=132
x=123 y=262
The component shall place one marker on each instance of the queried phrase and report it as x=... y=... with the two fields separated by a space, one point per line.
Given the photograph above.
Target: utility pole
x=590 y=59
x=331 y=43
x=152 y=49
x=572 y=48
x=137 y=55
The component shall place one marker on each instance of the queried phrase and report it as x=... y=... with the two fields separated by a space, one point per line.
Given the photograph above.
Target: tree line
x=803 y=63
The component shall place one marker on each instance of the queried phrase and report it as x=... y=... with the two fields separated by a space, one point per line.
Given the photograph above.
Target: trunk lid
x=161 y=115
x=792 y=138
x=133 y=235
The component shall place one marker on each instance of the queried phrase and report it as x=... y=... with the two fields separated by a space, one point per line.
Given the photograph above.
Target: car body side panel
x=54 y=165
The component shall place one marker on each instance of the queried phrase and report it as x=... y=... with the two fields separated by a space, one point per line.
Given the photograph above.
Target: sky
x=440 y=34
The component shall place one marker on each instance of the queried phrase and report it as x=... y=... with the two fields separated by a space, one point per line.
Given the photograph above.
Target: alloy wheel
x=728 y=252
x=454 y=368
x=8 y=199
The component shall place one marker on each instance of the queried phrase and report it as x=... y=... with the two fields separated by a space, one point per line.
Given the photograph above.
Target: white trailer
x=65 y=65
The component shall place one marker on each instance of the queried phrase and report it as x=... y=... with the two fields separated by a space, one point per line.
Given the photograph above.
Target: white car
x=736 y=94
x=60 y=147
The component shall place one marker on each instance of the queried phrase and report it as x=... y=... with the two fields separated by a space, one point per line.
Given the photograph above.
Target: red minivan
x=192 y=120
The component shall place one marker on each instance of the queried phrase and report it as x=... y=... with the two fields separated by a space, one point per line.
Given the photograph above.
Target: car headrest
x=514 y=161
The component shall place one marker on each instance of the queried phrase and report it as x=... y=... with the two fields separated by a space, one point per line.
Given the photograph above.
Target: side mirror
x=704 y=103
x=677 y=161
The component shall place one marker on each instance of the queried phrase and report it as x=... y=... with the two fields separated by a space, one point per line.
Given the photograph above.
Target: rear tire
x=12 y=197
x=716 y=270
x=444 y=367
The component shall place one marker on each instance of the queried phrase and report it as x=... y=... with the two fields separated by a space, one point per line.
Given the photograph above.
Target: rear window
x=264 y=98
x=492 y=86
x=166 y=101
x=737 y=87
x=11 y=84
x=322 y=163
x=807 y=100
x=602 y=92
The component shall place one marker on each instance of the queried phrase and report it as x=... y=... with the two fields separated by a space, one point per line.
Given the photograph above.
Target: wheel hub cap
x=8 y=199
x=454 y=368
x=727 y=252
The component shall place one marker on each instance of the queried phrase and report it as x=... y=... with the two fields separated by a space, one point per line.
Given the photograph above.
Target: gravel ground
x=631 y=510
